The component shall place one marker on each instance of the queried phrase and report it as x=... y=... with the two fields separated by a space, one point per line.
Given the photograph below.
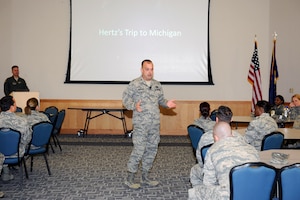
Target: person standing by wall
x=143 y=96
x=15 y=82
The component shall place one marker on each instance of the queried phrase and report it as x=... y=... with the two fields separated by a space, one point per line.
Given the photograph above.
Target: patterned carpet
x=94 y=167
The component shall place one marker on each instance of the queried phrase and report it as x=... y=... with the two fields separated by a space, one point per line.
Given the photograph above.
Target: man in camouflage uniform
x=224 y=114
x=144 y=95
x=221 y=157
x=262 y=125
x=8 y=119
x=1 y=163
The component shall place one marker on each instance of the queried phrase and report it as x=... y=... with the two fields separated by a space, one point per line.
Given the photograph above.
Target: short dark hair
x=6 y=102
x=204 y=108
x=224 y=114
x=281 y=98
x=14 y=66
x=265 y=105
x=146 y=60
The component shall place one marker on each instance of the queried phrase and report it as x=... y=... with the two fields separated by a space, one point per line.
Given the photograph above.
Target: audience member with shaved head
x=224 y=114
x=227 y=151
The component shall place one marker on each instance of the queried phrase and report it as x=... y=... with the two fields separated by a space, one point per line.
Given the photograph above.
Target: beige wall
x=173 y=121
x=35 y=36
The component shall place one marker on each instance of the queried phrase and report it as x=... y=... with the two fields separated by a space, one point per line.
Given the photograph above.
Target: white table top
x=248 y=119
x=289 y=133
x=294 y=156
x=242 y=119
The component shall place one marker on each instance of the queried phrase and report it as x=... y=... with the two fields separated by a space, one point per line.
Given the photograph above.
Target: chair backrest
x=9 y=141
x=253 y=180
x=51 y=112
x=213 y=115
x=289 y=181
x=41 y=133
x=195 y=133
x=19 y=109
x=273 y=140
x=203 y=151
x=59 y=121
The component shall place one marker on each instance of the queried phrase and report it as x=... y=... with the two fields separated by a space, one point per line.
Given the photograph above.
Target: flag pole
x=273 y=73
x=275 y=35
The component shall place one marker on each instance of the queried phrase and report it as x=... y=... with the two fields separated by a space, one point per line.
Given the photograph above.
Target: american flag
x=254 y=78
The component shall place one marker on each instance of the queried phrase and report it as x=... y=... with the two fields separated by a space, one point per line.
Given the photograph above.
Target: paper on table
x=279 y=158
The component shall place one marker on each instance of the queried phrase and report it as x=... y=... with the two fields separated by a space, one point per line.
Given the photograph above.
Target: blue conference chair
x=195 y=133
x=289 y=181
x=52 y=112
x=56 y=129
x=213 y=114
x=203 y=151
x=273 y=140
x=253 y=180
x=9 y=147
x=41 y=133
x=19 y=109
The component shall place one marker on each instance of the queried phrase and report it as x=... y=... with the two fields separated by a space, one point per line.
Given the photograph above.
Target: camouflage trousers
x=1 y=161
x=196 y=175
x=208 y=192
x=145 y=140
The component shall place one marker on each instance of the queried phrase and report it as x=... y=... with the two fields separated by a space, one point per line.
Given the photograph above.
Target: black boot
x=6 y=175
x=130 y=181
x=145 y=180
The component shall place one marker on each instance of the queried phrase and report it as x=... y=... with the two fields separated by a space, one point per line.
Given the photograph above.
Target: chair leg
x=21 y=175
x=25 y=168
x=51 y=147
x=47 y=164
x=58 y=143
x=53 y=138
x=23 y=161
x=31 y=163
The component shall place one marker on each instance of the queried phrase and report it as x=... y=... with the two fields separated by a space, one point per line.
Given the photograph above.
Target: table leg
x=87 y=122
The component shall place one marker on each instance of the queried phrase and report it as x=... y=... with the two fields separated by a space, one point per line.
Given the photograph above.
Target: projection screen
x=110 y=38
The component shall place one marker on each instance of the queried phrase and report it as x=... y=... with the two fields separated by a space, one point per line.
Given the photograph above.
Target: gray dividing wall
x=34 y=34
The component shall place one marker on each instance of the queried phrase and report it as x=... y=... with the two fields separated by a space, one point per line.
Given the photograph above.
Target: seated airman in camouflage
x=295 y=106
x=204 y=121
x=8 y=119
x=227 y=151
x=224 y=114
x=32 y=112
x=262 y=125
